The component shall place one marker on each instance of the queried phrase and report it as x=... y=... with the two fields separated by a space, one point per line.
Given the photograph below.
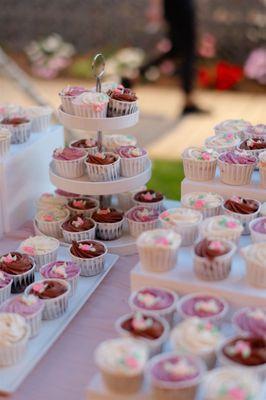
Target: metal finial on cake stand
x=98 y=69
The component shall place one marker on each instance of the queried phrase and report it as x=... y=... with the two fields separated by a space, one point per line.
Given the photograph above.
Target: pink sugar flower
x=9 y=259
x=79 y=203
x=48 y=218
x=103 y=211
x=163 y=241
x=206 y=156
x=237 y=393
x=199 y=203
x=29 y=250
x=131 y=362
x=38 y=287
x=231 y=224
x=86 y=247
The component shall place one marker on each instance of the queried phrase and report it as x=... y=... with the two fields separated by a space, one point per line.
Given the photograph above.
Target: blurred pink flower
x=164 y=45
x=207 y=46
x=167 y=67
x=255 y=66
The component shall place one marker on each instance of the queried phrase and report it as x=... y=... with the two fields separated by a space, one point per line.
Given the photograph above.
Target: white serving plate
x=83 y=186
x=97 y=124
x=11 y=377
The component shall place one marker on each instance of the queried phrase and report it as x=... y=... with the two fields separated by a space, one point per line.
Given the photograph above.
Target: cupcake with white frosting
x=221 y=227
x=91 y=105
x=48 y=200
x=114 y=141
x=5 y=139
x=40 y=118
x=199 y=163
x=239 y=127
x=184 y=221
x=43 y=249
x=158 y=249
x=209 y=204
x=255 y=257
x=49 y=221
x=223 y=142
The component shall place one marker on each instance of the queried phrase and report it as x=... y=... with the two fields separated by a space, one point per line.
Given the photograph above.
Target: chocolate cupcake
x=109 y=223
x=89 y=256
x=253 y=146
x=20 y=267
x=150 y=199
x=82 y=205
x=89 y=145
x=78 y=227
x=245 y=210
x=122 y=101
x=19 y=126
x=103 y=167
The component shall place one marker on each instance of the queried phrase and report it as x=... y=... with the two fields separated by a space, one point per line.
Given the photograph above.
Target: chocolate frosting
x=14 y=121
x=86 y=204
x=122 y=95
x=152 y=332
x=78 y=252
x=110 y=216
x=23 y=263
x=95 y=159
x=253 y=144
x=82 y=143
x=140 y=196
x=53 y=289
x=241 y=205
x=257 y=354
x=85 y=226
x=204 y=249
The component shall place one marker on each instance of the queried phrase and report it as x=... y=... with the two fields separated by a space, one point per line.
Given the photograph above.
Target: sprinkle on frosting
x=140 y=323
x=87 y=247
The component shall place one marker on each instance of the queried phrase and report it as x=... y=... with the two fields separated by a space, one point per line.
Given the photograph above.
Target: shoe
x=127 y=83
x=193 y=109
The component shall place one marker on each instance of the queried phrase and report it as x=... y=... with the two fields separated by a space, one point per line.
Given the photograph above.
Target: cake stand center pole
x=98 y=67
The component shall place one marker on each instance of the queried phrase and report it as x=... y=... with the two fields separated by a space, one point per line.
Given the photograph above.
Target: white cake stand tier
x=97 y=124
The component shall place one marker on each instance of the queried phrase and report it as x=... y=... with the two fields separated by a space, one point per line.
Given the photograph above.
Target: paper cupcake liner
x=118 y=108
x=235 y=174
x=85 y=235
x=41 y=123
x=103 y=173
x=136 y=227
x=5 y=292
x=89 y=150
x=67 y=104
x=157 y=259
x=189 y=233
x=22 y=281
x=35 y=323
x=42 y=259
x=255 y=274
x=20 y=133
x=256 y=237
x=133 y=166
x=86 y=213
x=263 y=177
x=88 y=111
x=52 y=228
x=90 y=266
x=70 y=168
x=213 y=270
x=109 y=231
x=11 y=355
x=4 y=147
x=120 y=383
x=197 y=170
x=245 y=219
x=158 y=205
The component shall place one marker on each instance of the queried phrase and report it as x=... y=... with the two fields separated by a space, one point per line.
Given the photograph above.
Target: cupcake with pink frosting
x=199 y=163
x=223 y=142
x=91 y=105
x=258 y=230
x=133 y=160
x=69 y=163
x=68 y=94
x=66 y=270
x=28 y=306
x=5 y=286
x=236 y=167
x=141 y=219
x=250 y=321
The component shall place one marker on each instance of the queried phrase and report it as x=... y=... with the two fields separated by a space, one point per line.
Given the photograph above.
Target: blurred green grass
x=167 y=177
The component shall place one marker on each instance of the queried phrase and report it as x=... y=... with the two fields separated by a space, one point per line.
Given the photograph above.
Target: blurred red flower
x=227 y=75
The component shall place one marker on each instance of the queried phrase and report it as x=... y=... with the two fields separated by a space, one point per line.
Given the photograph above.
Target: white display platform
x=84 y=186
x=11 y=377
x=183 y=280
x=97 y=124
x=251 y=191
x=24 y=177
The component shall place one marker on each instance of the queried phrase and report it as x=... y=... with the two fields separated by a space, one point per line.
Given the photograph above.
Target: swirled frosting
x=131 y=152
x=142 y=214
x=143 y=326
x=212 y=248
x=200 y=154
x=60 y=270
x=85 y=143
x=48 y=289
x=24 y=305
x=256 y=253
x=112 y=142
x=236 y=157
x=78 y=223
x=201 y=200
x=259 y=225
x=49 y=200
x=234 y=126
x=222 y=141
x=202 y=306
x=154 y=299
x=68 y=154
x=102 y=158
x=107 y=215
x=52 y=215
x=122 y=94
x=13 y=329
x=148 y=196
x=15 y=263
x=162 y=238
x=94 y=99
x=82 y=203
x=4 y=279
x=73 y=91
x=246 y=351
x=37 y=245
x=87 y=249
x=220 y=225
x=251 y=320
x=181 y=216
x=240 y=205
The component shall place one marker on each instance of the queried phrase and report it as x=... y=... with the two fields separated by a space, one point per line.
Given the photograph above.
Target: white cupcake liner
x=35 y=323
x=154 y=345
x=67 y=104
x=156 y=259
x=109 y=231
x=86 y=213
x=5 y=145
x=11 y=355
x=158 y=205
x=22 y=280
x=118 y=108
x=84 y=235
x=133 y=166
x=103 y=173
x=20 y=133
x=87 y=111
x=255 y=274
x=54 y=308
x=52 y=228
x=199 y=170
x=41 y=123
x=120 y=383
x=263 y=177
x=189 y=233
x=227 y=234
x=42 y=259
x=245 y=219
x=89 y=150
x=256 y=237
x=90 y=266
x=5 y=292
x=137 y=227
x=235 y=174
x=70 y=168
x=166 y=313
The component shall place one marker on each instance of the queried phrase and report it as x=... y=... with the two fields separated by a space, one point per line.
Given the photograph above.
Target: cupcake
x=203 y=305
x=151 y=330
x=253 y=146
x=115 y=141
x=89 y=255
x=19 y=126
x=150 y=199
x=222 y=142
x=236 y=167
x=229 y=383
x=245 y=210
x=239 y=127
x=5 y=139
x=133 y=160
x=125 y=199
x=250 y=321
x=82 y=206
x=141 y=219
x=91 y=105
x=68 y=94
x=258 y=230
x=262 y=169
x=213 y=258
x=198 y=337
x=40 y=118
x=158 y=249
x=65 y=270
x=29 y=307
x=14 y=333
x=20 y=268
x=209 y=204
x=155 y=302
x=102 y=167
x=109 y=223
x=199 y=163
x=90 y=145
x=5 y=286
x=221 y=227
x=43 y=249
x=122 y=362
x=175 y=376
x=78 y=227
x=122 y=101
x=49 y=221
x=48 y=200
x=183 y=221
x=255 y=257
x=54 y=293
x=69 y=163
x=246 y=352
